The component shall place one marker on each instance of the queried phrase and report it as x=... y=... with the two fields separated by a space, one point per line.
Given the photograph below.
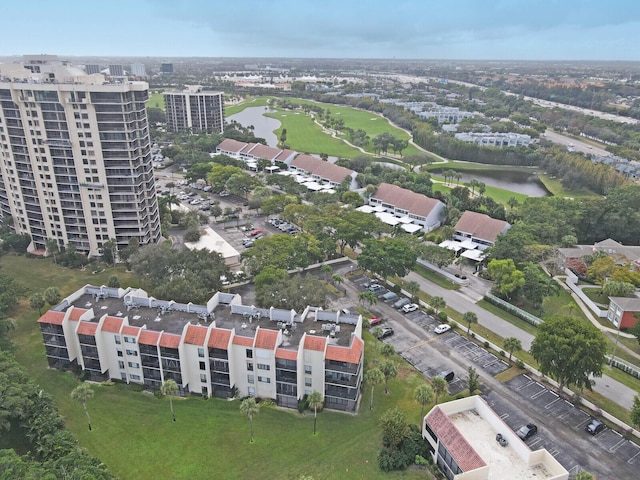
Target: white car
x=412 y=307
x=443 y=327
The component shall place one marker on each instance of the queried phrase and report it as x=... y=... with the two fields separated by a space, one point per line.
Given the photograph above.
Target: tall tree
x=315 y=401
x=468 y=318
x=635 y=412
x=81 y=394
x=473 y=380
x=512 y=344
x=423 y=394
x=440 y=386
x=36 y=301
x=250 y=408
x=52 y=296
x=569 y=351
x=507 y=278
x=413 y=288
x=437 y=303
x=367 y=296
x=53 y=248
x=168 y=389
x=373 y=377
x=389 y=370
x=387 y=257
x=394 y=427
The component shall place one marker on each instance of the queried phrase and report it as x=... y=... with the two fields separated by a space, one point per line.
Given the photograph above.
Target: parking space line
x=525 y=385
x=490 y=363
x=632 y=460
x=540 y=393
x=582 y=422
x=504 y=415
x=617 y=445
x=527 y=377
x=534 y=443
x=550 y=404
x=554 y=452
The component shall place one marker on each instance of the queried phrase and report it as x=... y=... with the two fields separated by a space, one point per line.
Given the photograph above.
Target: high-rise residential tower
x=194 y=110
x=75 y=158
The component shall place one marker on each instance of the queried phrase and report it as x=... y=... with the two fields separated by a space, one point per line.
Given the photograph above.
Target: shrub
x=443 y=316
x=420 y=460
x=192 y=235
x=486 y=344
x=303 y=404
x=502 y=354
x=520 y=364
x=396 y=288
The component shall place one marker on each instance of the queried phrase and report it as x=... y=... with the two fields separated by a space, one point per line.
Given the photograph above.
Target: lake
x=512 y=180
x=263 y=126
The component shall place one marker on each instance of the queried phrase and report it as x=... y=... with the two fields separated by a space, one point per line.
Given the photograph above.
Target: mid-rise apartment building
x=222 y=348
x=75 y=157
x=194 y=110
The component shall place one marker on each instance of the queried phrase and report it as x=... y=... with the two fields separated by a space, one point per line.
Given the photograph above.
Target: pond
x=263 y=126
x=512 y=180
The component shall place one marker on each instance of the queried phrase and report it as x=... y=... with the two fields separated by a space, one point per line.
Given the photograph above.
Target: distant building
x=495 y=139
x=252 y=152
x=92 y=68
x=623 y=310
x=222 y=348
x=138 y=70
x=407 y=208
x=194 y=110
x=461 y=436
x=166 y=68
x=474 y=233
x=446 y=114
x=323 y=171
x=116 y=70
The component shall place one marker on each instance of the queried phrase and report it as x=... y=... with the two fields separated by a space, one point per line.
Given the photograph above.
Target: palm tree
x=249 y=407
x=373 y=377
x=469 y=318
x=512 y=344
x=336 y=279
x=437 y=303
x=513 y=202
x=440 y=386
x=367 y=296
x=53 y=247
x=315 y=401
x=169 y=389
x=423 y=394
x=413 y=288
x=52 y=296
x=36 y=301
x=326 y=270
x=389 y=370
x=81 y=394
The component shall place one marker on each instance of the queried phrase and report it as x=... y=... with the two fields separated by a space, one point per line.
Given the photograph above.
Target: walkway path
x=464 y=300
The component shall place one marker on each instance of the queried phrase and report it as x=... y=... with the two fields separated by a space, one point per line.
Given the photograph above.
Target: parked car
x=412 y=307
x=594 y=427
x=401 y=303
x=224 y=193
x=387 y=297
x=373 y=321
x=386 y=332
x=255 y=232
x=374 y=287
x=527 y=431
x=443 y=327
x=448 y=375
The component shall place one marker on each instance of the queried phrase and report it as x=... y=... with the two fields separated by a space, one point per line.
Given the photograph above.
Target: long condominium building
x=194 y=110
x=75 y=157
x=222 y=348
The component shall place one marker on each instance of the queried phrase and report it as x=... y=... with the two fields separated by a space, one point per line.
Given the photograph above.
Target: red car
x=375 y=321
x=255 y=232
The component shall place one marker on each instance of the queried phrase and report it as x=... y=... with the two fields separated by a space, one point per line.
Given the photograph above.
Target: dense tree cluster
x=53 y=453
x=181 y=275
x=276 y=288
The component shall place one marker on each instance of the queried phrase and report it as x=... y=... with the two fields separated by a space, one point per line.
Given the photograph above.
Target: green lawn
x=134 y=436
x=156 y=100
x=246 y=103
x=557 y=190
x=304 y=136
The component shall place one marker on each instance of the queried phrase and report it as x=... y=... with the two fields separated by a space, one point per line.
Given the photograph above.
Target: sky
x=403 y=29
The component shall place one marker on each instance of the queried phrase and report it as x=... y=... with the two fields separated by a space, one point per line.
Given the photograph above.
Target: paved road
x=578 y=146
x=465 y=301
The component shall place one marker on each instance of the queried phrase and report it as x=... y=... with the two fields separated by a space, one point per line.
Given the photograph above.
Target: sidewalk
x=462 y=302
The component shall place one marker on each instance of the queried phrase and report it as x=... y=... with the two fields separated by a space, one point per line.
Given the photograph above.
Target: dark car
x=448 y=375
x=385 y=332
x=527 y=431
x=594 y=427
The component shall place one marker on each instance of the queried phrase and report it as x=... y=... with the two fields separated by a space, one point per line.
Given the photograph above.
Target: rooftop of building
x=480 y=225
x=333 y=328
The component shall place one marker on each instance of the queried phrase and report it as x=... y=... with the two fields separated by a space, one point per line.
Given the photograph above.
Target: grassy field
x=557 y=190
x=304 y=136
x=134 y=436
x=156 y=100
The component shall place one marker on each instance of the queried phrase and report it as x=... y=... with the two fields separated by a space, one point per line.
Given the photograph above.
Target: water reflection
x=514 y=181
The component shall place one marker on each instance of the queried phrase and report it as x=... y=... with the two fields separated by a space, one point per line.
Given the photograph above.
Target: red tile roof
x=481 y=226
x=112 y=324
x=248 y=147
x=344 y=354
x=195 y=335
x=76 y=313
x=219 y=338
x=458 y=446
x=230 y=145
x=245 y=341
x=286 y=354
x=324 y=170
x=284 y=154
x=54 y=318
x=87 y=328
x=414 y=203
x=170 y=340
x=263 y=151
x=149 y=337
x=266 y=339
x=129 y=330
x=312 y=342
